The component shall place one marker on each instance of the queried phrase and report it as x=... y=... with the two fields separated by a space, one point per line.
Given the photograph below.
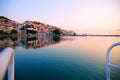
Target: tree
x=1 y=32
x=31 y=32
x=74 y=34
x=56 y=32
x=13 y=31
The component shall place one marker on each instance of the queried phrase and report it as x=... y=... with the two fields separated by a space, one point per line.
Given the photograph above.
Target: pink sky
x=82 y=16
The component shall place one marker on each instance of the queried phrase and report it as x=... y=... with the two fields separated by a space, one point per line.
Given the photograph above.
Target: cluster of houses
x=29 y=28
x=40 y=29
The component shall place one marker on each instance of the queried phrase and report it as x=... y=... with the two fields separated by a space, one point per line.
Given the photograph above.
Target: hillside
x=7 y=25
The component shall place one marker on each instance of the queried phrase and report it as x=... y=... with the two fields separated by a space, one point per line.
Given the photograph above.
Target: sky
x=81 y=16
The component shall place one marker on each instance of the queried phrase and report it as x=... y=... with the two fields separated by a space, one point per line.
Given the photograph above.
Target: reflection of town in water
x=29 y=42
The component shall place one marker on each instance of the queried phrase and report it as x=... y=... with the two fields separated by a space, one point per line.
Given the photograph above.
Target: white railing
x=7 y=62
x=108 y=64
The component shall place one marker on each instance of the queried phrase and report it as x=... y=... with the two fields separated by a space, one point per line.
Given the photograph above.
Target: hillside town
x=29 y=28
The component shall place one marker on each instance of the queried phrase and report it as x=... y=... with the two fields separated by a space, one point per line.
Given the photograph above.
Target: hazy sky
x=82 y=16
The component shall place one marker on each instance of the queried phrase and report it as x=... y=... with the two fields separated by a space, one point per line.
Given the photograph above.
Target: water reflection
x=75 y=58
x=8 y=41
x=29 y=42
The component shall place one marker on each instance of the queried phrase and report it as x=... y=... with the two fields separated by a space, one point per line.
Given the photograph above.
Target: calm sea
x=67 y=58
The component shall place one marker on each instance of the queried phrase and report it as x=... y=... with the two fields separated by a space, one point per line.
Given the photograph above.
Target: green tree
x=13 y=31
x=56 y=32
x=1 y=32
x=31 y=31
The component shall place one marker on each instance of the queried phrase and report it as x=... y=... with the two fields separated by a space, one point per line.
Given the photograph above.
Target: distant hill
x=5 y=22
x=4 y=18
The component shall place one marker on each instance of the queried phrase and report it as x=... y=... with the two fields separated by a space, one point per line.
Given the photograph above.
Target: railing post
x=7 y=61
x=108 y=65
x=11 y=68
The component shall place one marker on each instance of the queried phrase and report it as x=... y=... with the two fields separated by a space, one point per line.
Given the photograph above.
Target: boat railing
x=7 y=63
x=108 y=64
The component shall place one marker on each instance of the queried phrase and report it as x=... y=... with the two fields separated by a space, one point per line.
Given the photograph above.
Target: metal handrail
x=108 y=64
x=7 y=61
